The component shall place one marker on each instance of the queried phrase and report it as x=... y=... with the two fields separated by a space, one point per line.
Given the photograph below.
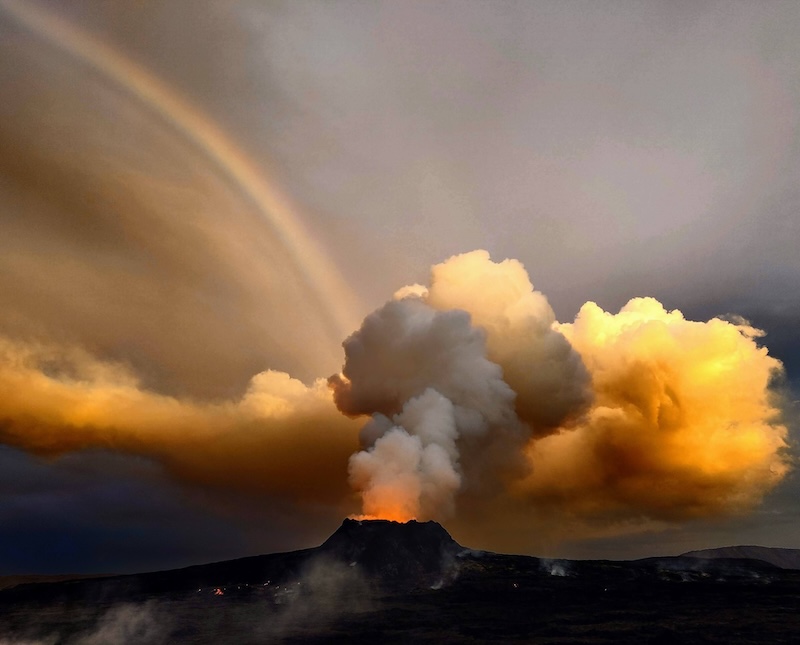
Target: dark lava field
x=383 y=582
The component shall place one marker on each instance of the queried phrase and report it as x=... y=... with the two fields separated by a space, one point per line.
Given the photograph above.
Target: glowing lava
x=388 y=503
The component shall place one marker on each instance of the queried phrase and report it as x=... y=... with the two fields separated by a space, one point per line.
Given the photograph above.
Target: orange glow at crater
x=390 y=516
x=389 y=503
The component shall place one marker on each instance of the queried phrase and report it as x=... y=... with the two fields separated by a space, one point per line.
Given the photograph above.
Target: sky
x=202 y=201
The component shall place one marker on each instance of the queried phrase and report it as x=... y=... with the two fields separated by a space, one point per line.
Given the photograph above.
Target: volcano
x=411 y=554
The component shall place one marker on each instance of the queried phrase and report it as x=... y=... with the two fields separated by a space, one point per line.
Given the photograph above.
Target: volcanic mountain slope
x=783 y=558
x=379 y=581
x=408 y=555
x=389 y=555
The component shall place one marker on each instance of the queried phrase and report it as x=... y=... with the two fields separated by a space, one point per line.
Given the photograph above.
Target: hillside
x=783 y=558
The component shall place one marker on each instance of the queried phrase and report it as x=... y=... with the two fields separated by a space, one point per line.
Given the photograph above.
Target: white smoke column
x=437 y=403
x=412 y=469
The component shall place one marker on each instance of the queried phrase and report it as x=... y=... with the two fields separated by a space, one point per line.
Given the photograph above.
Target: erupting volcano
x=481 y=406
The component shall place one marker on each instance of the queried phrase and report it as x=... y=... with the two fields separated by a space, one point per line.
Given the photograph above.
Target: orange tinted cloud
x=281 y=438
x=611 y=423
x=683 y=422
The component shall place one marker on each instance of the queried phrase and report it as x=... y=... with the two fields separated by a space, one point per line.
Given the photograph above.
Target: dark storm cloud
x=101 y=513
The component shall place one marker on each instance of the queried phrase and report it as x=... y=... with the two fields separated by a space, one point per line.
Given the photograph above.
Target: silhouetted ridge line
x=783 y=558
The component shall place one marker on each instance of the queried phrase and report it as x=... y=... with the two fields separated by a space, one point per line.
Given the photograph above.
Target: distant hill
x=783 y=558
x=7 y=582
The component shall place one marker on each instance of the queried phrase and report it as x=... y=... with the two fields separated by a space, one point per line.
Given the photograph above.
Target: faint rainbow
x=321 y=276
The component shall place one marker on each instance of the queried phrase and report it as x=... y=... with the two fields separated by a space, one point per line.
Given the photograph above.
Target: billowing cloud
x=683 y=424
x=281 y=438
x=625 y=420
x=479 y=403
x=538 y=363
x=441 y=410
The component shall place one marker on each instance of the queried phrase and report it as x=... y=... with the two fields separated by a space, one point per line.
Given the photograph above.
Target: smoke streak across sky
x=165 y=307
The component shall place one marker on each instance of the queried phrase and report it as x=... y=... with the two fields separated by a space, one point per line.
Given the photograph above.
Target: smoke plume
x=480 y=401
x=437 y=403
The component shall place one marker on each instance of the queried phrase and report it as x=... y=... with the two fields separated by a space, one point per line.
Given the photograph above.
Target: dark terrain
x=383 y=582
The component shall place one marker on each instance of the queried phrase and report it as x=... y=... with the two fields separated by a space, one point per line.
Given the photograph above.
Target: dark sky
x=200 y=200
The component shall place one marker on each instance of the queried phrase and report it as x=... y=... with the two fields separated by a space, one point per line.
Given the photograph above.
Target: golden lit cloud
x=282 y=438
x=683 y=422
x=607 y=424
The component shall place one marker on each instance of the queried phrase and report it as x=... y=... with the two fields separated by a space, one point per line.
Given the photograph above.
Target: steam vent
x=411 y=554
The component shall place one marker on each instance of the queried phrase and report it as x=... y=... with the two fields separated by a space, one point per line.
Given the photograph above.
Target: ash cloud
x=614 y=421
x=538 y=362
x=443 y=418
